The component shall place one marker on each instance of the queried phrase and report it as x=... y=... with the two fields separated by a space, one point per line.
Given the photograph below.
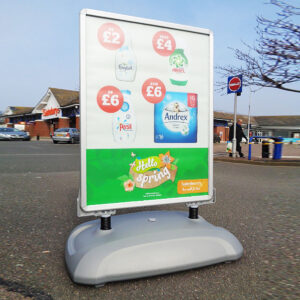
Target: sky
x=39 y=44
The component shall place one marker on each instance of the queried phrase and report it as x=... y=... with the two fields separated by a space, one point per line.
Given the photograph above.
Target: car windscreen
x=62 y=130
x=6 y=129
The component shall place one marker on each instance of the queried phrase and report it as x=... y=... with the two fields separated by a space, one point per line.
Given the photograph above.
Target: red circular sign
x=154 y=90
x=234 y=84
x=163 y=43
x=110 y=99
x=111 y=36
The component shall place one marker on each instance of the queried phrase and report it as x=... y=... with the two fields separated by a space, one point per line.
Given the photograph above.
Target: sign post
x=234 y=86
x=146 y=91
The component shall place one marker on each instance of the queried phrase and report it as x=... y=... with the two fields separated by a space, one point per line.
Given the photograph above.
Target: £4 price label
x=110 y=99
x=163 y=43
x=111 y=36
x=153 y=90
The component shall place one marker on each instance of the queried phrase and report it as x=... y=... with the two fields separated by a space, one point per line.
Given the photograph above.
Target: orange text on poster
x=192 y=186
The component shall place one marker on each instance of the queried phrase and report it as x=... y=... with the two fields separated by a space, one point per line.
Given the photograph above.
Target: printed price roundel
x=154 y=90
x=111 y=36
x=164 y=43
x=110 y=99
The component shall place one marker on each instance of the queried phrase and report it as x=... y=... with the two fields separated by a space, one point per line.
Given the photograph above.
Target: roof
x=230 y=117
x=278 y=120
x=65 y=97
x=19 y=110
x=261 y=120
x=222 y=115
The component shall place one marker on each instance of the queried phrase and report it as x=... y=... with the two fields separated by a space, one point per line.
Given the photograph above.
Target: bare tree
x=275 y=59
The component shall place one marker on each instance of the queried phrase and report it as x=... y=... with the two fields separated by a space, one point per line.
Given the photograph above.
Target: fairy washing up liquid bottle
x=178 y=67
x=124 y=122
x=125 y=64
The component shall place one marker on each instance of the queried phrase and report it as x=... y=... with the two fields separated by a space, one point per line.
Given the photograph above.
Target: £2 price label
x=110 y=99
x=111 y=36
x=163 y=43
x=154 y=90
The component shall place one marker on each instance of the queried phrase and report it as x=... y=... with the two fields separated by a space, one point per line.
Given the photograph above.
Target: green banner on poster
x=126 y=175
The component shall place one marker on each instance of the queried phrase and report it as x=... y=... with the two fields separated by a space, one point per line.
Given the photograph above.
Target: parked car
x=10 y=134
x=69 y=135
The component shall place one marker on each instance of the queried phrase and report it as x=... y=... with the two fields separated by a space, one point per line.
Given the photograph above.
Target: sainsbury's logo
x=50 y=112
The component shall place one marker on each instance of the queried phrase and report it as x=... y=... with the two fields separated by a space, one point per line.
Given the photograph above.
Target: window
x=62 y=130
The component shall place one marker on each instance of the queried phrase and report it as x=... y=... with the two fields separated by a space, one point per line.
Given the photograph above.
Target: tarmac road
x=38 y=187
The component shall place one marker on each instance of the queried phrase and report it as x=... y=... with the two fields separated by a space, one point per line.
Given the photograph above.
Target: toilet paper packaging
x=175 y=118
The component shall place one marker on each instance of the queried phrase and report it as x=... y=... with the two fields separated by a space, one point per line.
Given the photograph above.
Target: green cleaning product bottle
x=178 y=67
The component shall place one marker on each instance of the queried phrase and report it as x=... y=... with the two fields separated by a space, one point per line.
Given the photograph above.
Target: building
x=223 y=121
x=16 y=114
x=58 y=108
x=284 y=126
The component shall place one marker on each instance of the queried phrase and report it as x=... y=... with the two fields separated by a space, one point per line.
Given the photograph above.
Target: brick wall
x=42 y=129
x=222 y=132
x=30 y=128
x=78 y=122
x=52 y=128
x=227 y=133
x=63 y=123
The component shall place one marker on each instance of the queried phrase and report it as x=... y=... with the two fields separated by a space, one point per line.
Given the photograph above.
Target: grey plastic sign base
x=146 y=244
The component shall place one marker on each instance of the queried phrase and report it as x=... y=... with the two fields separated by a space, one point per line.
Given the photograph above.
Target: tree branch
x=274 y=61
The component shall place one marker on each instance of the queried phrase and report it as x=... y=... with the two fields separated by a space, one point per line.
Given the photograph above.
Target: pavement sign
x=146 y=139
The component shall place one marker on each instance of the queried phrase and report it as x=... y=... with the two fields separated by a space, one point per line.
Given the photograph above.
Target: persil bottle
x=124 y=121
x=178 y=67
x=125 y=64
x=178 y=63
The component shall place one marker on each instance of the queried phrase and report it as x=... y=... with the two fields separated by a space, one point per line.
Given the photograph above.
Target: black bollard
x=265 y=150
x=105 y=223
x=193 y=212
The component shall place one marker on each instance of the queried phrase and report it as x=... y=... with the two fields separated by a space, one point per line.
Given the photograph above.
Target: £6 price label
x=154 y=90
x=163 y=43
x=111 y=36
x=110 y=99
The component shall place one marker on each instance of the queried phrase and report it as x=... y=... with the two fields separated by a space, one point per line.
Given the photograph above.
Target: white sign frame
x=204 y=199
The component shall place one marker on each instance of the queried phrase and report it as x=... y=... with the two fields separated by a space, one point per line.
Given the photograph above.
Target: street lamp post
x=248 y=135
x=234 y=127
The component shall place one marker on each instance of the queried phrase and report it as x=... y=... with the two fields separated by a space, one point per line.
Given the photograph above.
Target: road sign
x=234 y=84
x=146 y=124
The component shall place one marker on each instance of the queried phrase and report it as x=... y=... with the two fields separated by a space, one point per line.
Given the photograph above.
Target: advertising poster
x=146 y=112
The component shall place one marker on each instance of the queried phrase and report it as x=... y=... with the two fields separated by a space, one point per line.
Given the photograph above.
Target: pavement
x=39 y=184
x=290 y=155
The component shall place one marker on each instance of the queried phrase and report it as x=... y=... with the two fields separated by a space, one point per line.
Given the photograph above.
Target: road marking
x=221 y=154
